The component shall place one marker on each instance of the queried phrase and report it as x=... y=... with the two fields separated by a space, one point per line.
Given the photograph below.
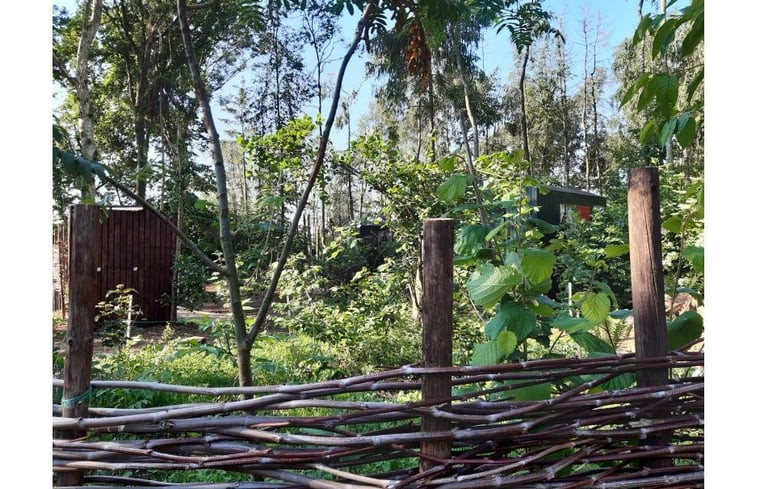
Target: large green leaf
x=686 y=129
x=454 y=187
x=485 y=353
x=537 y=265
x=672 y=224
x=513 y=317
x=648 y=131
x=666 y=95
x=666 y=134
x=695 y=256
x=572 y=325
x=685 y=328
x=592 y=344
x=664 y=35
x=470 y=239
x=595 y=306
x=614 y=250
x=489 y=284
x=447 y=163
x=507 y=341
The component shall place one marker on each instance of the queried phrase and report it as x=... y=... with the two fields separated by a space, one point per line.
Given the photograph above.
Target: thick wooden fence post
x=84 y=241
x=647 y=288
x=438 y=242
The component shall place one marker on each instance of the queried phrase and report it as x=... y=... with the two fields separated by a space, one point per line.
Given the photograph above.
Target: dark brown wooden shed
x=137 y=249
x=551 y=204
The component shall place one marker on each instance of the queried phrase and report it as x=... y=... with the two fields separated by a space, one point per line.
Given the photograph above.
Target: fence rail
x=327 y=435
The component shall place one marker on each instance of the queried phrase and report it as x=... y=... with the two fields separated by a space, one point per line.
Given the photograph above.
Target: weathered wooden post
x=647 y=288
x=84 y=239
x=438 y=242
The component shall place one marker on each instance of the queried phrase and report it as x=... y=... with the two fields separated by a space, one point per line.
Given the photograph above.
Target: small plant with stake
x=115 y=315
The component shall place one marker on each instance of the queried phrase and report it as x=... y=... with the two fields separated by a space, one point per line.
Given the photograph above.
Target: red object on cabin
x=584 y=212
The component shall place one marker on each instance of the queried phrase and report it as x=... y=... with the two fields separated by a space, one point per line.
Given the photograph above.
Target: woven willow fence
x=314 y=436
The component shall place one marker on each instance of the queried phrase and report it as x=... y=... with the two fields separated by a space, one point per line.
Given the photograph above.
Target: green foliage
x=658 y=93
x=112 y=315
x=365 y=321
x=192 y=278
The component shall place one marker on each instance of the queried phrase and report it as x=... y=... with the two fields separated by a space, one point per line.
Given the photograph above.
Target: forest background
x=729 y=176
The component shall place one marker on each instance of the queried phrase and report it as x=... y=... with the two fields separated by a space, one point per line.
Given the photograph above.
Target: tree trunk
x=468 y=108
x=90 y=24
x=432 y=114
x=227 y=247
x=523 y=117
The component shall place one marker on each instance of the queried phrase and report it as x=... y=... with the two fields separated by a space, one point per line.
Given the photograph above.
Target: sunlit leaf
x=537 y=265
x=595 y=307
x=454 y=188
x=614 y=250
x=489 y=284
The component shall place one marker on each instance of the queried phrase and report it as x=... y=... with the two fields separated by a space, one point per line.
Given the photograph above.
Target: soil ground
x=187 y=325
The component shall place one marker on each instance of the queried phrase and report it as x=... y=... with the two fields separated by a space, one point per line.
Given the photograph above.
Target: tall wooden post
x=84 y=239
x=647 y=288
x=438 y=242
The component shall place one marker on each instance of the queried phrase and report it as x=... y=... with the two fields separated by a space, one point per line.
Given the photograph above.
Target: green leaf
x=537 y=265
x=695 y=256
x=489 y=284
x=664 y=35
x=494 y=232
x=694 y=84
x=538 y=392
x=447 y=163
x=693 y=38
x=647 y=132
x=543 y=226
x=615 y=250
x=596 y=307
x=507 y=341
x=470 y=239
x=666 y=94
x=641 y=29
x=647 y=93
x=572 y=325
x=683 y=329
x=512 y=317
x=686 y=129
x=454 y=187
x=485 y=353
x=672 y=224
x=641 y=81
x=592 y=344
x=666 y=134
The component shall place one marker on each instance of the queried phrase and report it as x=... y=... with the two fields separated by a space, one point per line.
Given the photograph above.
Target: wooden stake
x=438 y=242
x=84 y=236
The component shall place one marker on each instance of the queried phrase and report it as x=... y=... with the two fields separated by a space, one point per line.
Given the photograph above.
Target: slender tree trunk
x=269 y=295
x=669 y=143
x=140 y=132
x=523 y=116
x=565 y=111
x=468 y=107
x=595 y=112
x=432 y=114
x=585 y=109
x=227 y=247
x=472 y=172
x=90 y=25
